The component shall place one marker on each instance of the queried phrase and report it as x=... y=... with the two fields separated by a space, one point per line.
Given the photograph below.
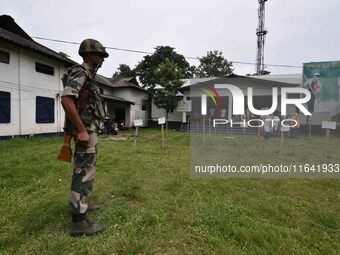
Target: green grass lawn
x=152 y=206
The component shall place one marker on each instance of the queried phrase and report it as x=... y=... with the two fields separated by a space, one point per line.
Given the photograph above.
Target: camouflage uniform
x=81 y=80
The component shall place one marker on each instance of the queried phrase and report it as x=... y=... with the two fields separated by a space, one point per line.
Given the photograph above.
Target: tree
x=169 y=77
x=65 y=55
x=147 y=67
x=214 y=65
x=263 y=72
x=124 y=71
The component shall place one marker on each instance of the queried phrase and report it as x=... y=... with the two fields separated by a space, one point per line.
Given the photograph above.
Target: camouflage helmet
x=92 y=46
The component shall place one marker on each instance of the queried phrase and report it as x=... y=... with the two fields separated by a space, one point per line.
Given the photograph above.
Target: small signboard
x=138 y=123
x=284 y=129
x=161 y=120
x=184 y=106
x=329 y=124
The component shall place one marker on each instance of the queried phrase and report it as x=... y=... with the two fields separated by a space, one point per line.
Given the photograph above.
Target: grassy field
x=152 y=206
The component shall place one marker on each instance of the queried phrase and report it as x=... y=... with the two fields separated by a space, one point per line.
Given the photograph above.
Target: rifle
x=65 y=153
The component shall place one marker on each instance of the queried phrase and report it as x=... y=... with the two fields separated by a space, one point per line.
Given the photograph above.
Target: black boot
x=82 y=226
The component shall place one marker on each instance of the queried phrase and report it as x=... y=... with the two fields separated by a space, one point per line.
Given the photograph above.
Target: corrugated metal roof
x=8 y=23
x=286 y=78
x=32 y=45
x=126 y=82
x=103 y=80
x=117 y=99
x=241 y=80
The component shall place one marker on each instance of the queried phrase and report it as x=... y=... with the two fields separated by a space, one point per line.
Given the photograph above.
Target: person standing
x=268 y=126
x=295 y=129
x=84 y=110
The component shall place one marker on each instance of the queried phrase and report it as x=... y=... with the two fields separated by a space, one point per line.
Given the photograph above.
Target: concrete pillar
x=184 y=117
x=230 y=108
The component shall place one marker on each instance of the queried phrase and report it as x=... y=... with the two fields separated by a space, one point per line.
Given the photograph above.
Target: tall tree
x=124 y=71
x=214 y=65
x=169 y=77
x=147 y=67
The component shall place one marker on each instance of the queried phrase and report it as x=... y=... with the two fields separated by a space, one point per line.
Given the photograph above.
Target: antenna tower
x=261 y=32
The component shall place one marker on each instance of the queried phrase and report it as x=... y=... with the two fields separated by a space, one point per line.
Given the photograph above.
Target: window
x=42 y=68
x=4 y=57
x=44 y=110
x=101 y=91
x=5 y=107
x=144 y=104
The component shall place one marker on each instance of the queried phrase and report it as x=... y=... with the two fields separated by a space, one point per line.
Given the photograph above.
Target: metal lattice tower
x=261 y=36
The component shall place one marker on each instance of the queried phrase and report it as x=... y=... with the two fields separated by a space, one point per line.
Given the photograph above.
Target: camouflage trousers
x=83 y=174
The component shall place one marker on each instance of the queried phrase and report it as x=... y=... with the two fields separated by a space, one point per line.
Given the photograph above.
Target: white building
x=30 y=83
x=262 y=85
x=262 y=94
x=176 y=117
x=127 y=101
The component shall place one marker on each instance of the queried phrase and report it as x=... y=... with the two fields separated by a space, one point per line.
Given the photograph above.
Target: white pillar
x=184 y=114
x=230 y=108
x=184 y=117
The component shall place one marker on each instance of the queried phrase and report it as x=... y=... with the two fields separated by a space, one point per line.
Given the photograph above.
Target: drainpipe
x=57 y=101
x=19 y=83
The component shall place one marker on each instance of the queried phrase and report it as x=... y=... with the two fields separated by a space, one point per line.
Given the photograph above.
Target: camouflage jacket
x=80 y=83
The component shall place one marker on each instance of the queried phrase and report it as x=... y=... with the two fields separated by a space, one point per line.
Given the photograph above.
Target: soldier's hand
x=83 y=137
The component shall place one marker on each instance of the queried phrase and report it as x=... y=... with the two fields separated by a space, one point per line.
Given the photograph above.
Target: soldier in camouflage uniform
x=84 y=109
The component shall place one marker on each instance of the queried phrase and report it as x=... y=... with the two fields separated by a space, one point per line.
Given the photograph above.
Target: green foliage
x=336 y=117
x=124 y=71
x=147 y=67
x=213 y=65
x=264 y=72
x=169 y=77
x=65 y=55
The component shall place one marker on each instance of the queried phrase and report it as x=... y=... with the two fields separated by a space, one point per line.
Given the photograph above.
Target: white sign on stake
x=161 y=120
x=284 y=129
x=329 y=124
x=138 y=123
x=184 y=106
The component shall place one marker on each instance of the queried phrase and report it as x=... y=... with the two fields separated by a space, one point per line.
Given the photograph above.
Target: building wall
x=9 y=80
x=174 y=116
x=178 y=116
x=20 y=78
x=135 y=111
x=264 y=93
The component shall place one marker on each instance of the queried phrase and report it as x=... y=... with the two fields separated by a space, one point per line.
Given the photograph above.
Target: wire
x=146 y=52
x=27 y=88
x=112 y=48
x=248 y=63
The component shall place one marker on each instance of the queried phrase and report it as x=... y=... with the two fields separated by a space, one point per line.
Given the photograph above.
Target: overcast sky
x=298 y=30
